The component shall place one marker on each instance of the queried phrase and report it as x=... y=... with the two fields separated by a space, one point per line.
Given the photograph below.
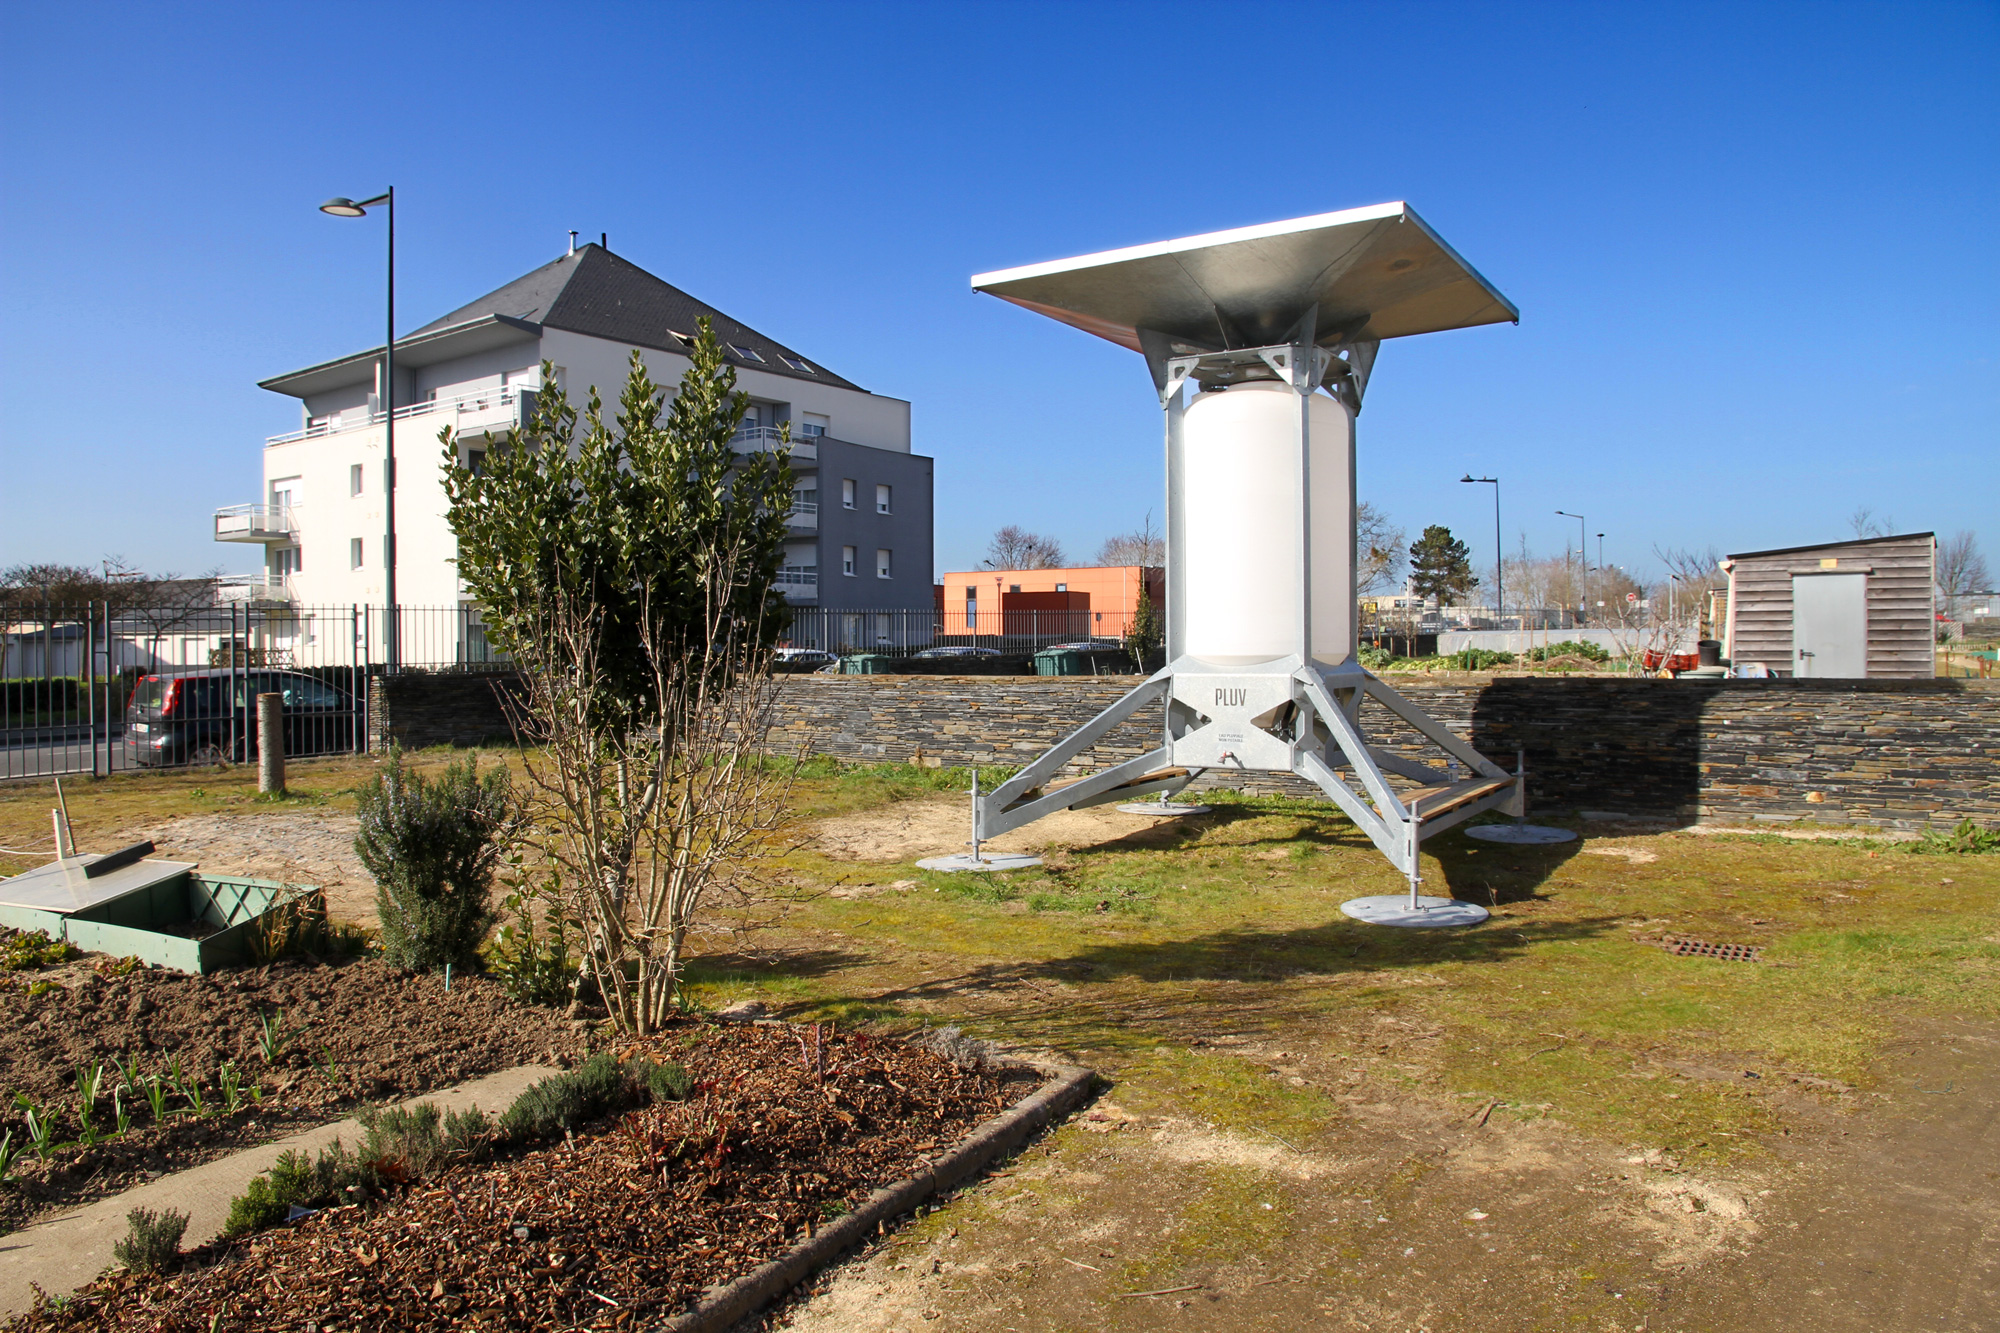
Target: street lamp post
x=1600 y=551
x=1499 y=553
x=349 y=208
x=1582 y=556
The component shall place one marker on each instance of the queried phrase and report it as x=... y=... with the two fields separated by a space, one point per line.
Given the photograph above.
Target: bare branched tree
x=1961 y=569
x=1144 y=545
x=1378 y=549
x=629 y=572
x=1863 y=522
x=1015 y=547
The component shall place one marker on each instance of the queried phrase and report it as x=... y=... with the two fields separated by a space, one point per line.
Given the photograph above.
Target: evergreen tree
x=1439 y=565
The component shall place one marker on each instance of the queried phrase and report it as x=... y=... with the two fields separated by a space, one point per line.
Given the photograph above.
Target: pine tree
x=1439 y=565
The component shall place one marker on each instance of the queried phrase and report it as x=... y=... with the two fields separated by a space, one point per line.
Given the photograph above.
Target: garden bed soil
x=355 y=1032
x=619 y=1227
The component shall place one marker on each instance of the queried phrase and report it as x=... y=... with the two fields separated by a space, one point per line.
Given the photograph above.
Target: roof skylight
x=746 y=353
x=796 y=364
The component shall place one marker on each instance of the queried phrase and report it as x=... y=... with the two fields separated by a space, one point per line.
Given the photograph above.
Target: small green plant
x=596 y=1087
x=8 y=1154
x=230 y=1080
x=271 y=1036
x=1477 y=659
x=89 y=1087
x=403 y=1143
x=1569 y=648
x=120 y=1116
x=1968 y=839
x=432 y=846
x=41 y=1126
x=295 y=1181
x=197 y=1099
x=534 y=966
x=28 y=951
x=329 y=1069
x=156 y=1097
x=153 y=1241
x=129 y=1074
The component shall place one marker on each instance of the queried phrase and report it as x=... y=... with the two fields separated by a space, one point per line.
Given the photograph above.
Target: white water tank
x=1247 y=524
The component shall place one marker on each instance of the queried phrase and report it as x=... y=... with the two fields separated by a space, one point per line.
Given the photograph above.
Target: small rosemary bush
x=432 y=845
x=154 y=1240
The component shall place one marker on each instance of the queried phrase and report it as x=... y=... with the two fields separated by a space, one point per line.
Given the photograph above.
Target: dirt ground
x=302 y=848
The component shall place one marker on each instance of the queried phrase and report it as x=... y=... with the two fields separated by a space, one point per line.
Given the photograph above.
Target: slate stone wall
x=1895 y=753
x=419 y=709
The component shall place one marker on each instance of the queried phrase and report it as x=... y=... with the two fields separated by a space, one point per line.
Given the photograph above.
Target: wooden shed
x=1845 y=609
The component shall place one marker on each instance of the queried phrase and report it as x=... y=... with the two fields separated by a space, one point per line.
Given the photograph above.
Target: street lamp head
x=343 y=208
x=1466 y=477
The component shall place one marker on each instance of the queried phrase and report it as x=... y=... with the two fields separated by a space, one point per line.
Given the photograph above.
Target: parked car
x=210 y=717
x=804 y=659
x=958 y=650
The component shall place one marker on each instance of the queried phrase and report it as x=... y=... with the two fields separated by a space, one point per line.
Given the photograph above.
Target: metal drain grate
x=1728 y=953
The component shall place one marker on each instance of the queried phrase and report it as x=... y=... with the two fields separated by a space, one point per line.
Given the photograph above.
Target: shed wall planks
x=1902 y=610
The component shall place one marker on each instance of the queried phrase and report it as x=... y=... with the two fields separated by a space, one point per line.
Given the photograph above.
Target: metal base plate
x=1393 y=909
x=962 y=861
x=1163 y=808
x=1521 y=835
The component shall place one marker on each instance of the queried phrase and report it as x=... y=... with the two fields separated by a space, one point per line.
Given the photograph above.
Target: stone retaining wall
x=1898 y=753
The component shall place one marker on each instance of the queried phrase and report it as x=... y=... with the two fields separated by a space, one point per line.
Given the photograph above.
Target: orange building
x=1089 y=602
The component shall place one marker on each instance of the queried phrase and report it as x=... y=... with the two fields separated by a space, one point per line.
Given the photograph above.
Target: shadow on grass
x=1493 y=874
x=720 y=968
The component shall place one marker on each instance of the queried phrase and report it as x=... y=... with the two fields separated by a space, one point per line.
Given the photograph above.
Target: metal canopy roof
x=1377 y=272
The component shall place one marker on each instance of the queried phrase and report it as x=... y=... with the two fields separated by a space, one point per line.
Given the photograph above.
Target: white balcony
x=255 y=523
x=474 y=412
x=799 y=583
x=804 y=516
x=752 y=439
x=255 y=589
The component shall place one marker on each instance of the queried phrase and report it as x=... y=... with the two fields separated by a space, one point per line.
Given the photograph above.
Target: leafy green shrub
x=431 y=845
x=1477 y=659
x=534 y=966
x=1375 y=658
x=1569 y=648
x=466 y=1132
x=1968 y=839
x=29 y=950
x=153 y=1241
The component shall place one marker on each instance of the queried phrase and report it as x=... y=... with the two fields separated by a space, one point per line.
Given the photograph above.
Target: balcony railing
x=800 y=583
x=803 y=448
x=498 y=408
x=255 y=523
x=804 y=515
x=256 y=588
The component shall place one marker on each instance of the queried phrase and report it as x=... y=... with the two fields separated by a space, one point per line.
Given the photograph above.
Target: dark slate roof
x=595 y=292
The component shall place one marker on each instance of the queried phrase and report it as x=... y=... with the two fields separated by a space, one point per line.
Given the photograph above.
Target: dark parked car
x=957 y=650
x=803 y=659
x=210 y=717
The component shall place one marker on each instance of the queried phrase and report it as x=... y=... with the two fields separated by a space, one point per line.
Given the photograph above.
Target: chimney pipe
x=572 y=242
x=604 y=241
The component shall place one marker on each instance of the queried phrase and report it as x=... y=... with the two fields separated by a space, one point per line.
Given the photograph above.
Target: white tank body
x=1247 y=524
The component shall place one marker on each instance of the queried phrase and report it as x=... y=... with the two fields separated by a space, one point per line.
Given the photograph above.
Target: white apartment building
x=320 y=519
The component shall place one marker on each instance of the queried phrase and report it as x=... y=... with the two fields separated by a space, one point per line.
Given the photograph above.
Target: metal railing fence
x=907 y=633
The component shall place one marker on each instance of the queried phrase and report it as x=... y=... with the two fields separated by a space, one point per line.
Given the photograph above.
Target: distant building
x=1843 y=610
x=1098 y=601
x=860 y=526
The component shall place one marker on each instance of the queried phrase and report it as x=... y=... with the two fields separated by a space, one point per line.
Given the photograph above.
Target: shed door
x=1830 y=625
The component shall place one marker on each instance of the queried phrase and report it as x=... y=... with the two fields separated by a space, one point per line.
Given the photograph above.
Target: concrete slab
x=64 y=1252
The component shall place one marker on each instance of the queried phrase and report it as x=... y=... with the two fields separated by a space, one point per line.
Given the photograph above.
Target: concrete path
x=63 y=1252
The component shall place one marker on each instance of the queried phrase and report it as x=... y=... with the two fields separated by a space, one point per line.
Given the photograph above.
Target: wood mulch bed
x=355 y=1031
x=618 y=1227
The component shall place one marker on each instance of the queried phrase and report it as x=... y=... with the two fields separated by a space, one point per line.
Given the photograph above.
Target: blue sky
x=1753 y=245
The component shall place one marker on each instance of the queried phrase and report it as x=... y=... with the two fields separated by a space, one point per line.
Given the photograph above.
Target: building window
x=354 y=553
x=881 y=499
x=1062 y=587
x=847 y=561
x=1013 y=587
x=815 y=425
x=847 y=493
x=475 y=462
x=354 y=480
x=881 y=563
x=971 y=608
